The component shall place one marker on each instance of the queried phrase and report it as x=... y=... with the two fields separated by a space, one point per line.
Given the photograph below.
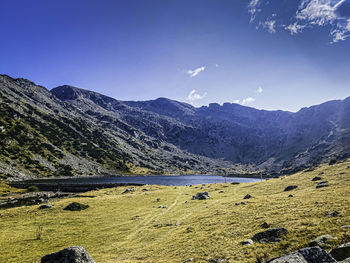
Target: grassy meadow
x=132 y=228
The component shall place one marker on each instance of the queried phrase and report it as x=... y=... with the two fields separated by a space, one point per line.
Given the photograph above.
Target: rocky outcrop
x=305 y=255
x=321 y=241
x=341 y=252
x=201 y=196
x=69 y=255
x=272 y=235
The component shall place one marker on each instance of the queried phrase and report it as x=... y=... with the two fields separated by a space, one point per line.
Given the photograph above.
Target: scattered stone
x=321 y=241
x=247 y=242
x=189 y=229
x=221 y=192
x=342 y=252
x=237 y=203
x=345 y=226
x=69 y=255
x=129 y=190
x=290 y=195
x=235 y=183
x=144 y=190
x=162 y=206
x=243 y=203
x=187 y=260
x=348 y=167
x=305 y=255
x=321 y=173
x=217 y=260
x=158 y=200
x=265 y=225
x=45 y=206
x=316 y=178
x=333 y=214
x=272 y=235
x=247 y=196
x=75 y=206
x=290 y=188
x=201 y=196
x=0 y=215
x=203 y=186
x=322 y=184
x=186 y=202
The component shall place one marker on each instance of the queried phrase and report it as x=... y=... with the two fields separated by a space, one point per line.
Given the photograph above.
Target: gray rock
x=316 y=178
x=201 y=196
x=129 y=190
x=342 y=252
x=333 y=214
x=290 y=196
x=272 y=235
x=290 y=188
x=217 y=260
x=322 y=184
x=69 y=255
x=247 y=242
x=237 y=203
x=45 y=206
x=345 y=226
x=75 y=206
x=265 y=225
x=187 y=260
x=321 y=241
x=247 y=196
x=305 y=255
x=243 y=203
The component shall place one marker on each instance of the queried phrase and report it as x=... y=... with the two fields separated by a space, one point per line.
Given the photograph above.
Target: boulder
x=322 y=184
x=45 y=206
x=247 y=196
x=128 y=190
x=316 y=178
x=237 y=203
x=187 y=260
x=345 y=226
x=305 y=255
x=290 y=196
x=290 y=188
x=243 y=203
x=321 y=241
x=265 y=225
x=247 y=242
x=333 y=214
x=272 y=235
x=75 y=206
x=342 y=252
x=201 y=196
x=69 y=255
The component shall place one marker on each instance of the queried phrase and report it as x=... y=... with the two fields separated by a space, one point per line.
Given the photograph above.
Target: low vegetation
x=164 y=224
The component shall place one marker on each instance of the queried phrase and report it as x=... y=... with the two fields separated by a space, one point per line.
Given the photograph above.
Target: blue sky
x=275 y=54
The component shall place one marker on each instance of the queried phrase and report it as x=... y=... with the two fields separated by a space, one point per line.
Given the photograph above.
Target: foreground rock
x=69 y=255
x=247 y=242
x=290 y=188
x=201 y=196
x=272 y=235
x=322 y=184
x=75 y=206
x=247 y=196
x=321 y=241
x=342 y=252
x=305 y=255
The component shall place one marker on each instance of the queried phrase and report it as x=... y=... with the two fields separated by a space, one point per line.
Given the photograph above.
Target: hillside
x=74 y=132
x=131 y=227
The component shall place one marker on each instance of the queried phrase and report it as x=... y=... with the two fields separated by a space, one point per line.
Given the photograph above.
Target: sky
x=267 y=54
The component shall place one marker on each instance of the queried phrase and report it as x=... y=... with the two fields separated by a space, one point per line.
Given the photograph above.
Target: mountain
x=74 y=132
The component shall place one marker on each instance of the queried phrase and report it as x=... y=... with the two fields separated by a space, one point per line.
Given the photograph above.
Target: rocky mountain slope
x=70 y=131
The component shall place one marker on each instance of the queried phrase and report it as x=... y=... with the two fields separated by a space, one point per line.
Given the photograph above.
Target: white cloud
x=245 y=102
x=195 y=72
x=294 y=28
x=259 y=90
x=248 y=101
x=270 y=26
x=193 y=96
x=308 y=14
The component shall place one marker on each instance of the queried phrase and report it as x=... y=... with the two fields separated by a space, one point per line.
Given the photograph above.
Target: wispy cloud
x=246 y=101
x=194 y=95
x=259 y=90
x=334 y=14
x=196 y=71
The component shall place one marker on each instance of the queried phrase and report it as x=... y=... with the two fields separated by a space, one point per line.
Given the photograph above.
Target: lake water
x=179 y=180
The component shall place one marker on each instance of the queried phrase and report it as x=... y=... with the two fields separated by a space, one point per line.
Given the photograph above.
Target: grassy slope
x=110 y=234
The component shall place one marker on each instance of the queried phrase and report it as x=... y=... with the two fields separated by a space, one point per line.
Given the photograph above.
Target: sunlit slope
x=132 y=228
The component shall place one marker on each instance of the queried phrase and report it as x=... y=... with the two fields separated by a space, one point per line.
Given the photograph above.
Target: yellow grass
x=131 y=228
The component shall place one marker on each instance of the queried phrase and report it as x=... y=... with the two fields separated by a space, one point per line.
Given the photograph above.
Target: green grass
x=202 y=230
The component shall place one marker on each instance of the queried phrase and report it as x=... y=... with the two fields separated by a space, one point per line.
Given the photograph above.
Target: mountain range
x=68 y=131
